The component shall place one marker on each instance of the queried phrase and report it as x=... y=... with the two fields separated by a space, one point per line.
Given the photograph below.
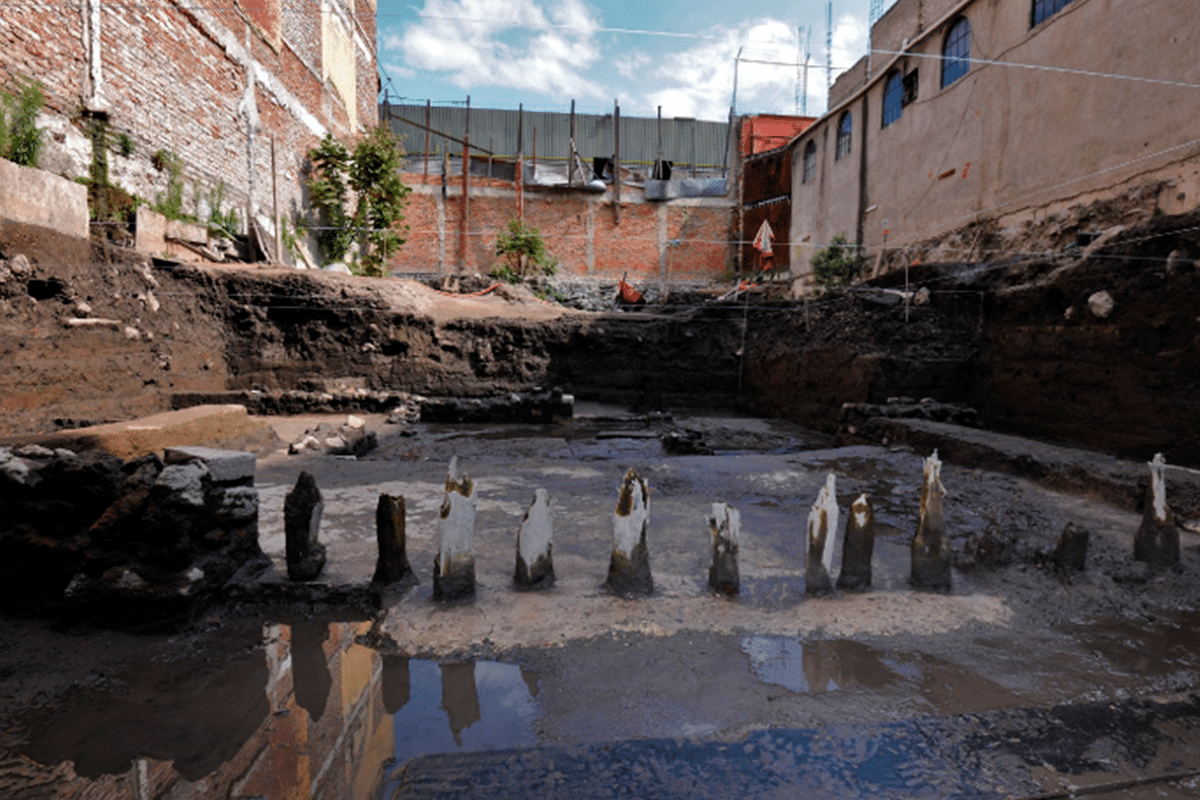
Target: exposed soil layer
x=1016 y=340
x=95 y=333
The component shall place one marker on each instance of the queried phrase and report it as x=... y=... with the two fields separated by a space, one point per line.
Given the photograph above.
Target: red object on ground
x=628 y=294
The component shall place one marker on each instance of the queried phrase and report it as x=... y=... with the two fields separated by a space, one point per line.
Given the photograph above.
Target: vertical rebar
x=427 y=126
x=616 y=163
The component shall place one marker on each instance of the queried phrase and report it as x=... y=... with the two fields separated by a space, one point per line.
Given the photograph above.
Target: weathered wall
x=685 y=238
x=214 y=84
x=1009 y=144
x=39 y=198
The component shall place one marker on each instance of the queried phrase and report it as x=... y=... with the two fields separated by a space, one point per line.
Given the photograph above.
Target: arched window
x=810 y=161
x=956 y=52
x=1044 y=9
x=845 y=127
x=893 y=99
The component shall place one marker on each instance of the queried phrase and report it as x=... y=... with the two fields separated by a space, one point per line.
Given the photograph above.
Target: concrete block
x=150 y=232
x=41 y=198
x=186 y=232
x=224 y=466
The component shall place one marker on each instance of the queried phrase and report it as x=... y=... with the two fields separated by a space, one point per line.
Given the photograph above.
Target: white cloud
x=699 y=81
x=512 y=44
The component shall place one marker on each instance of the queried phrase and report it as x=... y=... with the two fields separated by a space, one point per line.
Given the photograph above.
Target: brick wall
x=687 y=238
x=212 y=83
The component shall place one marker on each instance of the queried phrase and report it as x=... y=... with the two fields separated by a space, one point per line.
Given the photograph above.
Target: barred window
x=1044 y=9
x=893 y=99
x=810 y=161
x=845 y=127
x=956 y=53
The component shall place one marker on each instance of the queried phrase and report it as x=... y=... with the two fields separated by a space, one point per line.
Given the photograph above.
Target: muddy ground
x=579 y=669
x=286 y=692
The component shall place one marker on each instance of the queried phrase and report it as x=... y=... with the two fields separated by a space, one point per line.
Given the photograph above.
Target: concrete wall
x=1005 y=144
x=685 y=238
x=212 y=83
x=39 y=198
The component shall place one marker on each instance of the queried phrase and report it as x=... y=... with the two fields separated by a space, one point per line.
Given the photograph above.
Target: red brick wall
x=174 y=77
x=676 y=239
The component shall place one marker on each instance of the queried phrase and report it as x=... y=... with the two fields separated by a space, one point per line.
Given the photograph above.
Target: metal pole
x=658 y=166
x=464 y=223
x=491 y=146
x=736 y=59
x=520 y=168
x=616 y=163
x=693 y=148
x=427 y=104
x=571 y=155
x=535 y=153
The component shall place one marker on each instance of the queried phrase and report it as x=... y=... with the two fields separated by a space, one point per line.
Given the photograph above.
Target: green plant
x=170 y=203
x=20 y=139
x=522 y=248
x=124 y=144
x=223 y=223
x=369 y=178
x=839 y=264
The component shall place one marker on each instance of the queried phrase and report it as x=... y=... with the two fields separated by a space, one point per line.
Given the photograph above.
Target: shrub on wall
x=522 y=248
x=20 y=140
x=839 y=264
x=370 y=178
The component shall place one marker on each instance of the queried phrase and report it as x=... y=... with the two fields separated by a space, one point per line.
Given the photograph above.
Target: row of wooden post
x=1156 y=541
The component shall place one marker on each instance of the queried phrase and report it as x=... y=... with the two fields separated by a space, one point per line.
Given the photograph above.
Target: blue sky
x=680 y=55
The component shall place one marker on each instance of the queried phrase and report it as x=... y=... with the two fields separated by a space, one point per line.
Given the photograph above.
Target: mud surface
x=252 y=700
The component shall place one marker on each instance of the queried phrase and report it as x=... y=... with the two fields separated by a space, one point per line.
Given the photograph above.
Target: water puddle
x=826 y=666
x=816 y=667
x=309 y=712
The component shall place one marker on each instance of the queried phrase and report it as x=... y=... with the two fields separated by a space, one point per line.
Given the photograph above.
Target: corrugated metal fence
x=684 y=141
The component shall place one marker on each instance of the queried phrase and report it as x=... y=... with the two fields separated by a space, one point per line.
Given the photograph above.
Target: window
x=1044 y=9
x=845 y=126
x=956 y=53
x=893 y=98
x=810 y=161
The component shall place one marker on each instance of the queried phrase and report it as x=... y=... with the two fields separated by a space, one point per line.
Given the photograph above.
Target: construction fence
x=606 y=207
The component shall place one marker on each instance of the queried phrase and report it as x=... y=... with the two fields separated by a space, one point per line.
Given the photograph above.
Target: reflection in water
x=310 y=668
x=814 y=667
x=300 y=717
x=484 y=705
x=460 y=701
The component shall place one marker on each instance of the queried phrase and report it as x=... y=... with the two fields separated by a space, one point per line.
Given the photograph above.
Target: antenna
x=799 y=59
x=807 y=55
x=828 y=49
x=876 y=10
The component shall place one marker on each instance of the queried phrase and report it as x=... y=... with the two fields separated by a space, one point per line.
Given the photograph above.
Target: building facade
x=994 y=116
x=233 y=92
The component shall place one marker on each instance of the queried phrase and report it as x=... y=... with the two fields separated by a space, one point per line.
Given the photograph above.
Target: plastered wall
x=1010 y=141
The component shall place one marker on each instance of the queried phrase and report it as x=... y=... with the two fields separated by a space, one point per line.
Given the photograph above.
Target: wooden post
x=464 y=223
x=616 y=163
x=520 y=167
x=427 y=126
x=571 y=155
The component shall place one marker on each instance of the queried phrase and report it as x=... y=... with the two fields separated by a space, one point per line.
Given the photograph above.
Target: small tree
x=839 y=264
x=20 y=140
x=522 y=248
x=372 y=174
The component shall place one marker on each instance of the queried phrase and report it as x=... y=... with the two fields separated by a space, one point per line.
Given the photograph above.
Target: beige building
x=973 y=122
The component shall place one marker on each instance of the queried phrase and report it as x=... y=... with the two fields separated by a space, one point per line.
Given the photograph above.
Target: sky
x=677 y=54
